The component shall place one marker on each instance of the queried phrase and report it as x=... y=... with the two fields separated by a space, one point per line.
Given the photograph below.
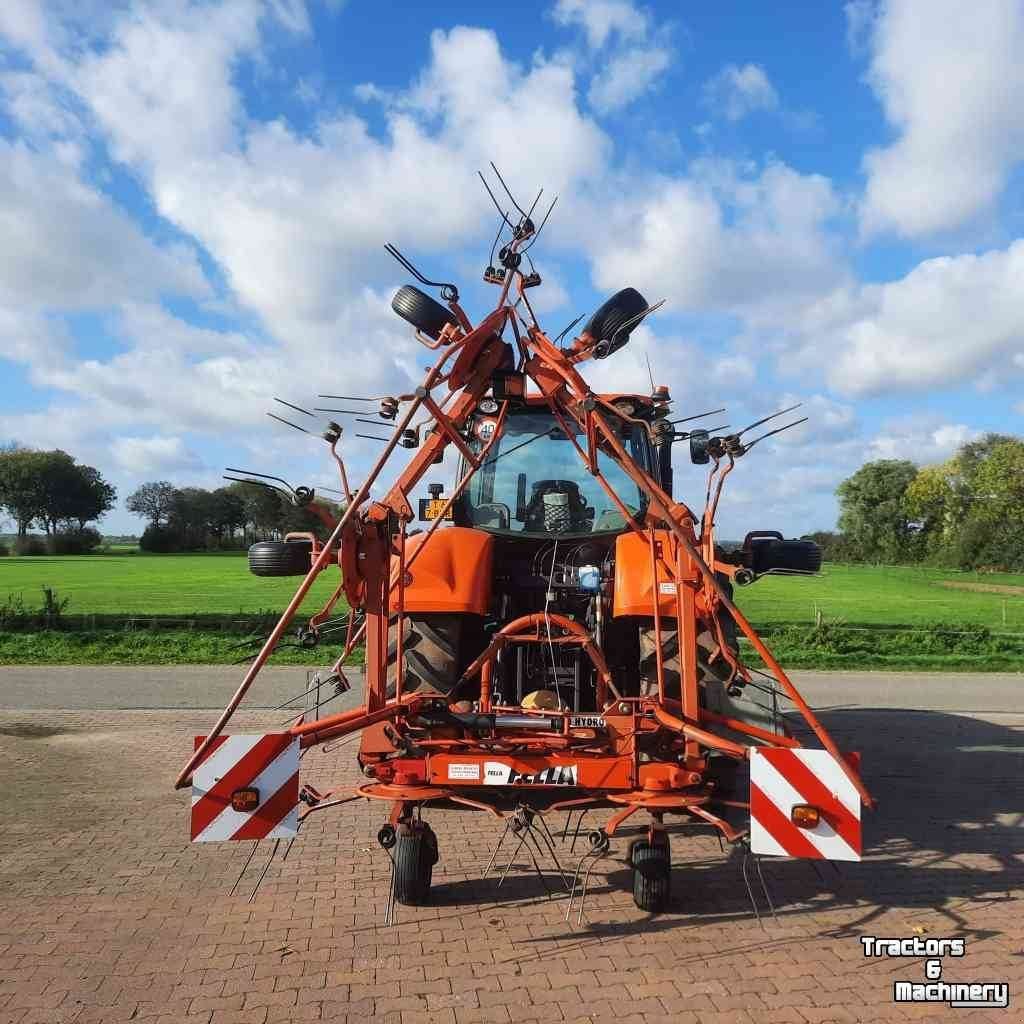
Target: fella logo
x=498 y=774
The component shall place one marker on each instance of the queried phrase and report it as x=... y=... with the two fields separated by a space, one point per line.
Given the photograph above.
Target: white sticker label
x=587 y=722
x=498 y=774
x=464 y=771
x=667 y=588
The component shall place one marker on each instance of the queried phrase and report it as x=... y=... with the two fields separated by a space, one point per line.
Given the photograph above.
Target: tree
x=228 y=512
x=935 y=500
x=52 y=489
x=21 y=492
x=873 y=513
x=88 y=497
x=191 y=516
x=152 y=501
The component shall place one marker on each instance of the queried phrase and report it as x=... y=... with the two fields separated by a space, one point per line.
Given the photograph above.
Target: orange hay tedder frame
x=528 y=655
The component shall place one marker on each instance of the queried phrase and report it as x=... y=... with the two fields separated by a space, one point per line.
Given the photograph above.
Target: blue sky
x=195 y=197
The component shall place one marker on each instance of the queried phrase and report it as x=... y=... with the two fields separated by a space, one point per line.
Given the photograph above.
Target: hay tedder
x=560 y=636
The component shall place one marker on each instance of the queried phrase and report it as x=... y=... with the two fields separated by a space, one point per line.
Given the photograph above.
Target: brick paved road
x=107 y=914
x=89 y=687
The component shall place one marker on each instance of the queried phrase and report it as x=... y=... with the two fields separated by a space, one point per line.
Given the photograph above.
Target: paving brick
x=101 y=920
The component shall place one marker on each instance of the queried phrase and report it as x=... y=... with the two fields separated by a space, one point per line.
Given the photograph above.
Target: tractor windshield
x=536 y=483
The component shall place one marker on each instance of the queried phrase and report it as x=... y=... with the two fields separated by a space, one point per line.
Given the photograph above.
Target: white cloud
x=950 y=83
x=626 y=77
x=143 y=456
x=949 y=321
x=737 y=91
x=922 y=438
x=292 y=14
x=67 y=245
x=600 y=19
x=634 y=53
x=722 y=239
x=735 y=371
x=162 y=88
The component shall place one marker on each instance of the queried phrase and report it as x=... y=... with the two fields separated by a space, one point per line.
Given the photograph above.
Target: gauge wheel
x=652 y=874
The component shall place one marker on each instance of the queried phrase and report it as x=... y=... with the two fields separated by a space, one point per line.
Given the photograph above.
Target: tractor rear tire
x=280 y=558
x=415 y=855
x=423 y=312
x=430 y=651
x=652 y=874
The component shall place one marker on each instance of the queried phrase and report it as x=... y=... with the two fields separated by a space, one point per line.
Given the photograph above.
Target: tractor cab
x=535 y=485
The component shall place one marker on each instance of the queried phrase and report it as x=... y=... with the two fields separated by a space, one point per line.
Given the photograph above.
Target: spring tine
x=297 y=408
x=575 y=879
x=586 y=881
x=750 y=891
x=494 y=854
x=345 y=412
x=536 y=234
x=389 y=907
x=245 y=867
x=294 y=426
x=576 y=834
x=765 y=419
x=530 y=846
x=698 y=416
x=266 y=868
x=515 y=853
x=764 y=888
x=374 y=437
x=772 y=433
x=550 y=843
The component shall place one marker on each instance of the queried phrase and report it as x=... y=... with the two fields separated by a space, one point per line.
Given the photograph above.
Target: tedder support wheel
x=430 y=650
x=652 y=874
x=415 y=855
x=280 y=558
x=423 y=312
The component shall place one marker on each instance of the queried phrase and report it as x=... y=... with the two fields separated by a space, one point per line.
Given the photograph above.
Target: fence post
x=1004 y=614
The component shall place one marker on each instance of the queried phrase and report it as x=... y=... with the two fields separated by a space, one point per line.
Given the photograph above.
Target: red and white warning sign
x=246 y=787
x=826 y=800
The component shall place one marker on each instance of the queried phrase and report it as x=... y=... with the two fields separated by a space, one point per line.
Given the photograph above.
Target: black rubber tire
x=712 y=669
x=415 y=854
x=430 y=650
x=622 y=307
x=280 y=558
x=423 y=312
x=652 y=875
x=794 y=555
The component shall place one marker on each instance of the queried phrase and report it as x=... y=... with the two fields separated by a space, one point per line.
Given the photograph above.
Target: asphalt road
x=131 y=687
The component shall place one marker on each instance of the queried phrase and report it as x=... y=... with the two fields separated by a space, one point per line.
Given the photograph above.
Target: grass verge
x=140 y=647
x=834 y=646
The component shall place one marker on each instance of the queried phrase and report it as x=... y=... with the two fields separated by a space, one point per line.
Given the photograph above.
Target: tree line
x=964 y=513
x=197 y=519
x=50 y=491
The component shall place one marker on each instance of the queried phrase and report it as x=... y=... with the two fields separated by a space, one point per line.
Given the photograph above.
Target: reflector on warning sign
x=782 y=780
x=247 y=787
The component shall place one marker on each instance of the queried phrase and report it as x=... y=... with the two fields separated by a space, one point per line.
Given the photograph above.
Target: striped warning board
x=782 y=778
x=269 y=765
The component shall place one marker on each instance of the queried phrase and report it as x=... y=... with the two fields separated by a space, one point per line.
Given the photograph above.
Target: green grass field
x=138 y=584
x=181 y=586
x=177 y=585
x=889 y=596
